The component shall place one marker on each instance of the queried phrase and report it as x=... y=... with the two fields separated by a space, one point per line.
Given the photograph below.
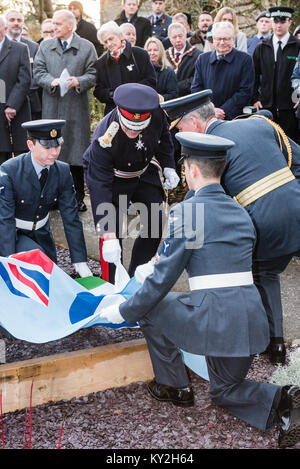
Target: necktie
x=279 y=52
x=220 y=57
x=64 y=45
x=177 y=55
x=43 y=178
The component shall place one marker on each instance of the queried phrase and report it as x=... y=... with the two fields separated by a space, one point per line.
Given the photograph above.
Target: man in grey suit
x=15 y=22
x=69 y=52
x=14 y=104
x=222 y=317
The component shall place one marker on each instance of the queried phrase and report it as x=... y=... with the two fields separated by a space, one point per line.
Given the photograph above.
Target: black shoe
x=183 y=397
x=276 y=351
x=289 y=415
x=81 y=206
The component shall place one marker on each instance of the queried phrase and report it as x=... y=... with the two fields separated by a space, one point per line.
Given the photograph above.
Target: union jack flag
x=28 y=275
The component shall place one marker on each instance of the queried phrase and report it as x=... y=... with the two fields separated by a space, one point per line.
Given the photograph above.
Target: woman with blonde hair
x=228 y=14
x=167 y=85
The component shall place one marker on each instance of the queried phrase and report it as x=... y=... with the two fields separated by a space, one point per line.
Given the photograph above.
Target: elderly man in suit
x=30 y=184
x=182 y=57
x=268 y=188
x=76 y=56
x=14 y=104
x=228 y=72
x=15 y=22
x=222 y=317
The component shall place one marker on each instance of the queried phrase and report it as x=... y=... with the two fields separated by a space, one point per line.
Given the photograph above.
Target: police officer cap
x=135 y=103
x=263 y=14
x=281 y=13
x=177 y=108
x=46 y=131
x=196 y=145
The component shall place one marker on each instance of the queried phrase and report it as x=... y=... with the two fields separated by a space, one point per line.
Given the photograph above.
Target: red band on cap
x=135 y=117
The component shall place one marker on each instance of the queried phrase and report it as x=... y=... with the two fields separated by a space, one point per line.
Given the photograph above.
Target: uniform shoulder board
x=106 y=139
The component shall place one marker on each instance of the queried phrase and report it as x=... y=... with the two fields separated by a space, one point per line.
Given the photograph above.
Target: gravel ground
x=128 y=418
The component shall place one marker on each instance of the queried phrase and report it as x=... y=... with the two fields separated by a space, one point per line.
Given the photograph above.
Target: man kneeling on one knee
x=222 y=317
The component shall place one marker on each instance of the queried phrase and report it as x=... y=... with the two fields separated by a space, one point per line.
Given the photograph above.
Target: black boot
x=276 y=350
x=183 y=397
x=289 y=416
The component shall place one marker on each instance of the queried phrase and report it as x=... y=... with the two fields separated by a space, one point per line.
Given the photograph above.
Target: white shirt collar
x=283 y=40
x=69 y=40
x=13 y=38
x=38 y=168
x=179 y=51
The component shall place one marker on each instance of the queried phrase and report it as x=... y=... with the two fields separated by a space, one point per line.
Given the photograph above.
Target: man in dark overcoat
x=84 y=28
x=222 y=316
x=265 y=179
x=142 y=25
x=274 y=60
x=15 y=22
x=14 y=104
x=228 y=72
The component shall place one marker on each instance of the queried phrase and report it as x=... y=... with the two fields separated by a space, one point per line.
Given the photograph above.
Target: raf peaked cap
x=46 y=131
x=263 y=14
x=283 y=13
x=135 y=103
x=196 y=145
x=177 y=108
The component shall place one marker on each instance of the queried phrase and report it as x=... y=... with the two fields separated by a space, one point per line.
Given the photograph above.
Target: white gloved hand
x=143 y=271
x=171 y=178
x=82 y=269
x=111 y=251
x=112 y=314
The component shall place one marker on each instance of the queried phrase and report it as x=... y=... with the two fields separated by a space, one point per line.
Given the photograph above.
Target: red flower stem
x=2 y=426
x=30 y=430
x=60 y=434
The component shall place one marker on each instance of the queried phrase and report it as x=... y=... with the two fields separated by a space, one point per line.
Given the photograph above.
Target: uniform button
x=22 y=201
x=158 y=141
x=40 y=206
x=37 y=216
x=55 y=199
x=42 y=196
x=129 y=164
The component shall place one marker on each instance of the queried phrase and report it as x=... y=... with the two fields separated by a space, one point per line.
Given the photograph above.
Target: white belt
x=31 y=225
x=236 y=279
x=135 y=174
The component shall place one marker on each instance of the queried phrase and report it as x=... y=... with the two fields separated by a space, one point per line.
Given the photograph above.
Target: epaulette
x=106 y=139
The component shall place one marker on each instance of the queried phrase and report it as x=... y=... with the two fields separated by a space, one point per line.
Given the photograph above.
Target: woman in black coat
x=121 y=64
x=167 y=85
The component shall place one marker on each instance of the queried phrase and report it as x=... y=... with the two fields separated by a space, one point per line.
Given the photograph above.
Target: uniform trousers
x=252 y=402
x=287 y=120
x=266 y=275
x=38 y=239
x=151 y=220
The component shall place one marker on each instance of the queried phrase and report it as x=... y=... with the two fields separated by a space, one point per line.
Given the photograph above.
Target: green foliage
x=288 y=374
x=96 y=110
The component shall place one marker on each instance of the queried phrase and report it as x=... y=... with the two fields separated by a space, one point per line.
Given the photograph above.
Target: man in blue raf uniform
x=264 y=178
x=30 y=185
x=222 y=317
x=130 y=153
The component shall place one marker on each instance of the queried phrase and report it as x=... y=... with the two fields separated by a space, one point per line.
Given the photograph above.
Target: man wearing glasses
x=274 y=60
x=228 y=72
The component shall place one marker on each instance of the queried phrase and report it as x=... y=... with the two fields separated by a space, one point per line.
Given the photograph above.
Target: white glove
x=143 y=271
x=112 y=314
x=171 y=178
x=82 y=269
x=111 y=251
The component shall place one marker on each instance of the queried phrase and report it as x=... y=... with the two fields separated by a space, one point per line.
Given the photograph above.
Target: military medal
x=139 y=145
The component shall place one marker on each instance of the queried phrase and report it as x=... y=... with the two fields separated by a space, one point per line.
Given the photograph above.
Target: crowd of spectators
x=162 y=51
